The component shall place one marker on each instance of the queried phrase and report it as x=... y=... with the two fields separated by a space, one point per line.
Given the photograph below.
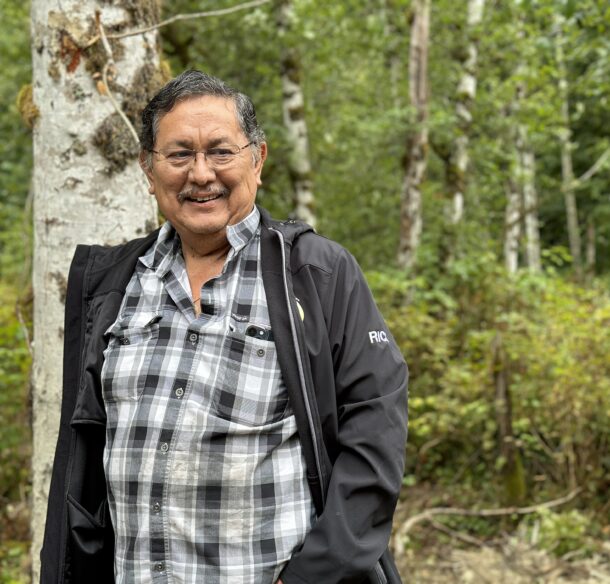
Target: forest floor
x=456 y=558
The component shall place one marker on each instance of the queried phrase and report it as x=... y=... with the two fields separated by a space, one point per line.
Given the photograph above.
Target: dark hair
x=193 y=83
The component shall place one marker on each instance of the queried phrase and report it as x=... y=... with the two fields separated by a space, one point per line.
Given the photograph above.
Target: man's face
x=225 y=195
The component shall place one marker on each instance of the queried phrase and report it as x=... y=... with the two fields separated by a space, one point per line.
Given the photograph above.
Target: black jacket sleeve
x=352 y=533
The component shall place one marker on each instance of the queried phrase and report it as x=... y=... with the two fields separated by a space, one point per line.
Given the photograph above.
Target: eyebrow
x=189 y=145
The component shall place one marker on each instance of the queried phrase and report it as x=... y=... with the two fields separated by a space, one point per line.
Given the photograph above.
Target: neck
x=212 y=247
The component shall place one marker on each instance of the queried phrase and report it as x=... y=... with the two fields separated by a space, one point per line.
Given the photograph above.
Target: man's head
x=202 y=152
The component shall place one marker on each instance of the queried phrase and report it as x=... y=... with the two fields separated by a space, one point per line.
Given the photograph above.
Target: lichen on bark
x=142 y=12
x=113 y=138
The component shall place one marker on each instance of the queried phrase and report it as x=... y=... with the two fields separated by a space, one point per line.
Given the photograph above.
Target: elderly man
x=234 y=406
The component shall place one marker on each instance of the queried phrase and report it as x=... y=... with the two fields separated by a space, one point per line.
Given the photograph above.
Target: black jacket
x=347 y=383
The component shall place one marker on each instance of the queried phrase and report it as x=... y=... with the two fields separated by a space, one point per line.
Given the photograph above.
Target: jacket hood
x=290 y=228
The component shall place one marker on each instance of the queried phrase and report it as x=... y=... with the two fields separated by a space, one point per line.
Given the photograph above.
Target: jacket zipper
x=295 y=338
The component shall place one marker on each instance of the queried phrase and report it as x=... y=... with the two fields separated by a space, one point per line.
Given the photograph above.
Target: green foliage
x=562 y=532
x=14 y=406
x=15 y=146
x=557 y=343
x=14 y=563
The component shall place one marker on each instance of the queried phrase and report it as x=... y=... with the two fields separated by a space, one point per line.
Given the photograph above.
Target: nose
x=201 y=171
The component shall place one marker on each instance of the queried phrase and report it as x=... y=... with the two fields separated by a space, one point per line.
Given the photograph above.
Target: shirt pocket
x=131 y=343
x=249 y=388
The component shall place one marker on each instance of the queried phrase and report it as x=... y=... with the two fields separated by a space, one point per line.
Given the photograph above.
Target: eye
x=177 y=156
x=220 y=152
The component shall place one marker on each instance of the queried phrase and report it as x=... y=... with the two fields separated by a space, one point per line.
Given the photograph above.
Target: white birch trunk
x=75 y=199
x=466 y=94
x=417 y=142
x=527 y=164
x=293 y=107
x=567 y=168
x=512 y=226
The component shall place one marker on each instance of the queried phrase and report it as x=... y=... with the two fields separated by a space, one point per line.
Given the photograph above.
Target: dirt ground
x=511 y=563
x=438 y=559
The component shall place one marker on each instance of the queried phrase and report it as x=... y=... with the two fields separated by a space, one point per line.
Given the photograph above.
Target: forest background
x=466 y=167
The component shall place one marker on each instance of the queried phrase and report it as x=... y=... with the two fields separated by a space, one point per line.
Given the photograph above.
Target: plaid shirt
x=205 y=473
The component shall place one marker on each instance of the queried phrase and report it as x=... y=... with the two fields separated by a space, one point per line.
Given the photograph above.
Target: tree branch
x=427 y=515
x=597 y=166
x=190 y=16
x=110 y=63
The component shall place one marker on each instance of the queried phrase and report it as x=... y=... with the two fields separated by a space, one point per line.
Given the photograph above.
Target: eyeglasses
x=218 y=157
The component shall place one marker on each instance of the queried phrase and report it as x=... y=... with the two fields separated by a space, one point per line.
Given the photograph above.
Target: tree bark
x=527 y=162
x=512 y=469
x=466 y=94
x=87 y=185
x=591 y=257
x=293 y=106
x=512 y=225
x=567 y=168
x=416 y=158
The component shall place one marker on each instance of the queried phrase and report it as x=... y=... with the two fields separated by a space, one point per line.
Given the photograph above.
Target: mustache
x=194 y=193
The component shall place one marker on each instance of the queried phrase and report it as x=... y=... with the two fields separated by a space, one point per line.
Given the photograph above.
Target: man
x=234 y=406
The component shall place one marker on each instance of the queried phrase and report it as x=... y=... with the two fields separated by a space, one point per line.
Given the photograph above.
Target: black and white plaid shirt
x=205 y=473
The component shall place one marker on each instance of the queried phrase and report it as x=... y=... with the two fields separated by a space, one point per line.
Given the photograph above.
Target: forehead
x=200 y=118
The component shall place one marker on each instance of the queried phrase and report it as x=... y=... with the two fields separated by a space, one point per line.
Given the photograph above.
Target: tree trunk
x=567 y=168
x=293 y=106
x=87 y=185
x=512 y=226
x=512 y=468
x=530 y=200
x=416 y=158
x=391 y=37
x=591 y=257
x=466 y=94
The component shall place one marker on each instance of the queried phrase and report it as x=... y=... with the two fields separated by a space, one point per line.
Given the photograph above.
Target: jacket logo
x=378 y=337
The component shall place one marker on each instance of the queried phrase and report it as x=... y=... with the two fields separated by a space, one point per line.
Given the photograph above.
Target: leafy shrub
x=556 y=339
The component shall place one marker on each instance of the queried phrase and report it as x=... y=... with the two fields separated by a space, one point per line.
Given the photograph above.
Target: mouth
x=202 y=198
x=205 y=199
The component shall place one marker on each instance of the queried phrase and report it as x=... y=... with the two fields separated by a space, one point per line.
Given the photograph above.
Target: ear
x=258 y=168
x=143 y=160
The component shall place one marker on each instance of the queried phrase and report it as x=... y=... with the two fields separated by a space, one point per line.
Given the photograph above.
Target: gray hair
x=191 y=84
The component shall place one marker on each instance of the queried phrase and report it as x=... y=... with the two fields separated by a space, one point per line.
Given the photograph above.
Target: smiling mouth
x=204 y=199
x=194 y=197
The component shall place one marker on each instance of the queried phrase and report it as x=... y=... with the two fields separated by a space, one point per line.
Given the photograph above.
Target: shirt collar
x=167 y=246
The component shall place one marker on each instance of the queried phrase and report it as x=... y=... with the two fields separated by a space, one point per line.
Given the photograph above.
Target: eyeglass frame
x=194 y=153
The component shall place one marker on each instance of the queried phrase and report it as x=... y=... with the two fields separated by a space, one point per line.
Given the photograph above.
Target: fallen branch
x=190 y=16
x=456 y=534
x=407 y=526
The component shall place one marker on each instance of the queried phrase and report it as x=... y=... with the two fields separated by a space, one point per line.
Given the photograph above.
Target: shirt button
x=159 y=567
x=193 y=337
x=124 y=341
x=261 y=352
x=179 y=392
x=157 y=507
x=164 y=447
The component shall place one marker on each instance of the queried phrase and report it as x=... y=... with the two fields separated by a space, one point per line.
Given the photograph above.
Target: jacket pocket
x=249 y=388
x=88 y=531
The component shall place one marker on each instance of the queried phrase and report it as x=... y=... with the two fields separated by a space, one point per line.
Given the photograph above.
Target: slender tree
x=86 y=182
x=565 y=139
x=416 y=158
x=527 y=172
x=466 y=94
x=293 y=107
x=512 y=224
